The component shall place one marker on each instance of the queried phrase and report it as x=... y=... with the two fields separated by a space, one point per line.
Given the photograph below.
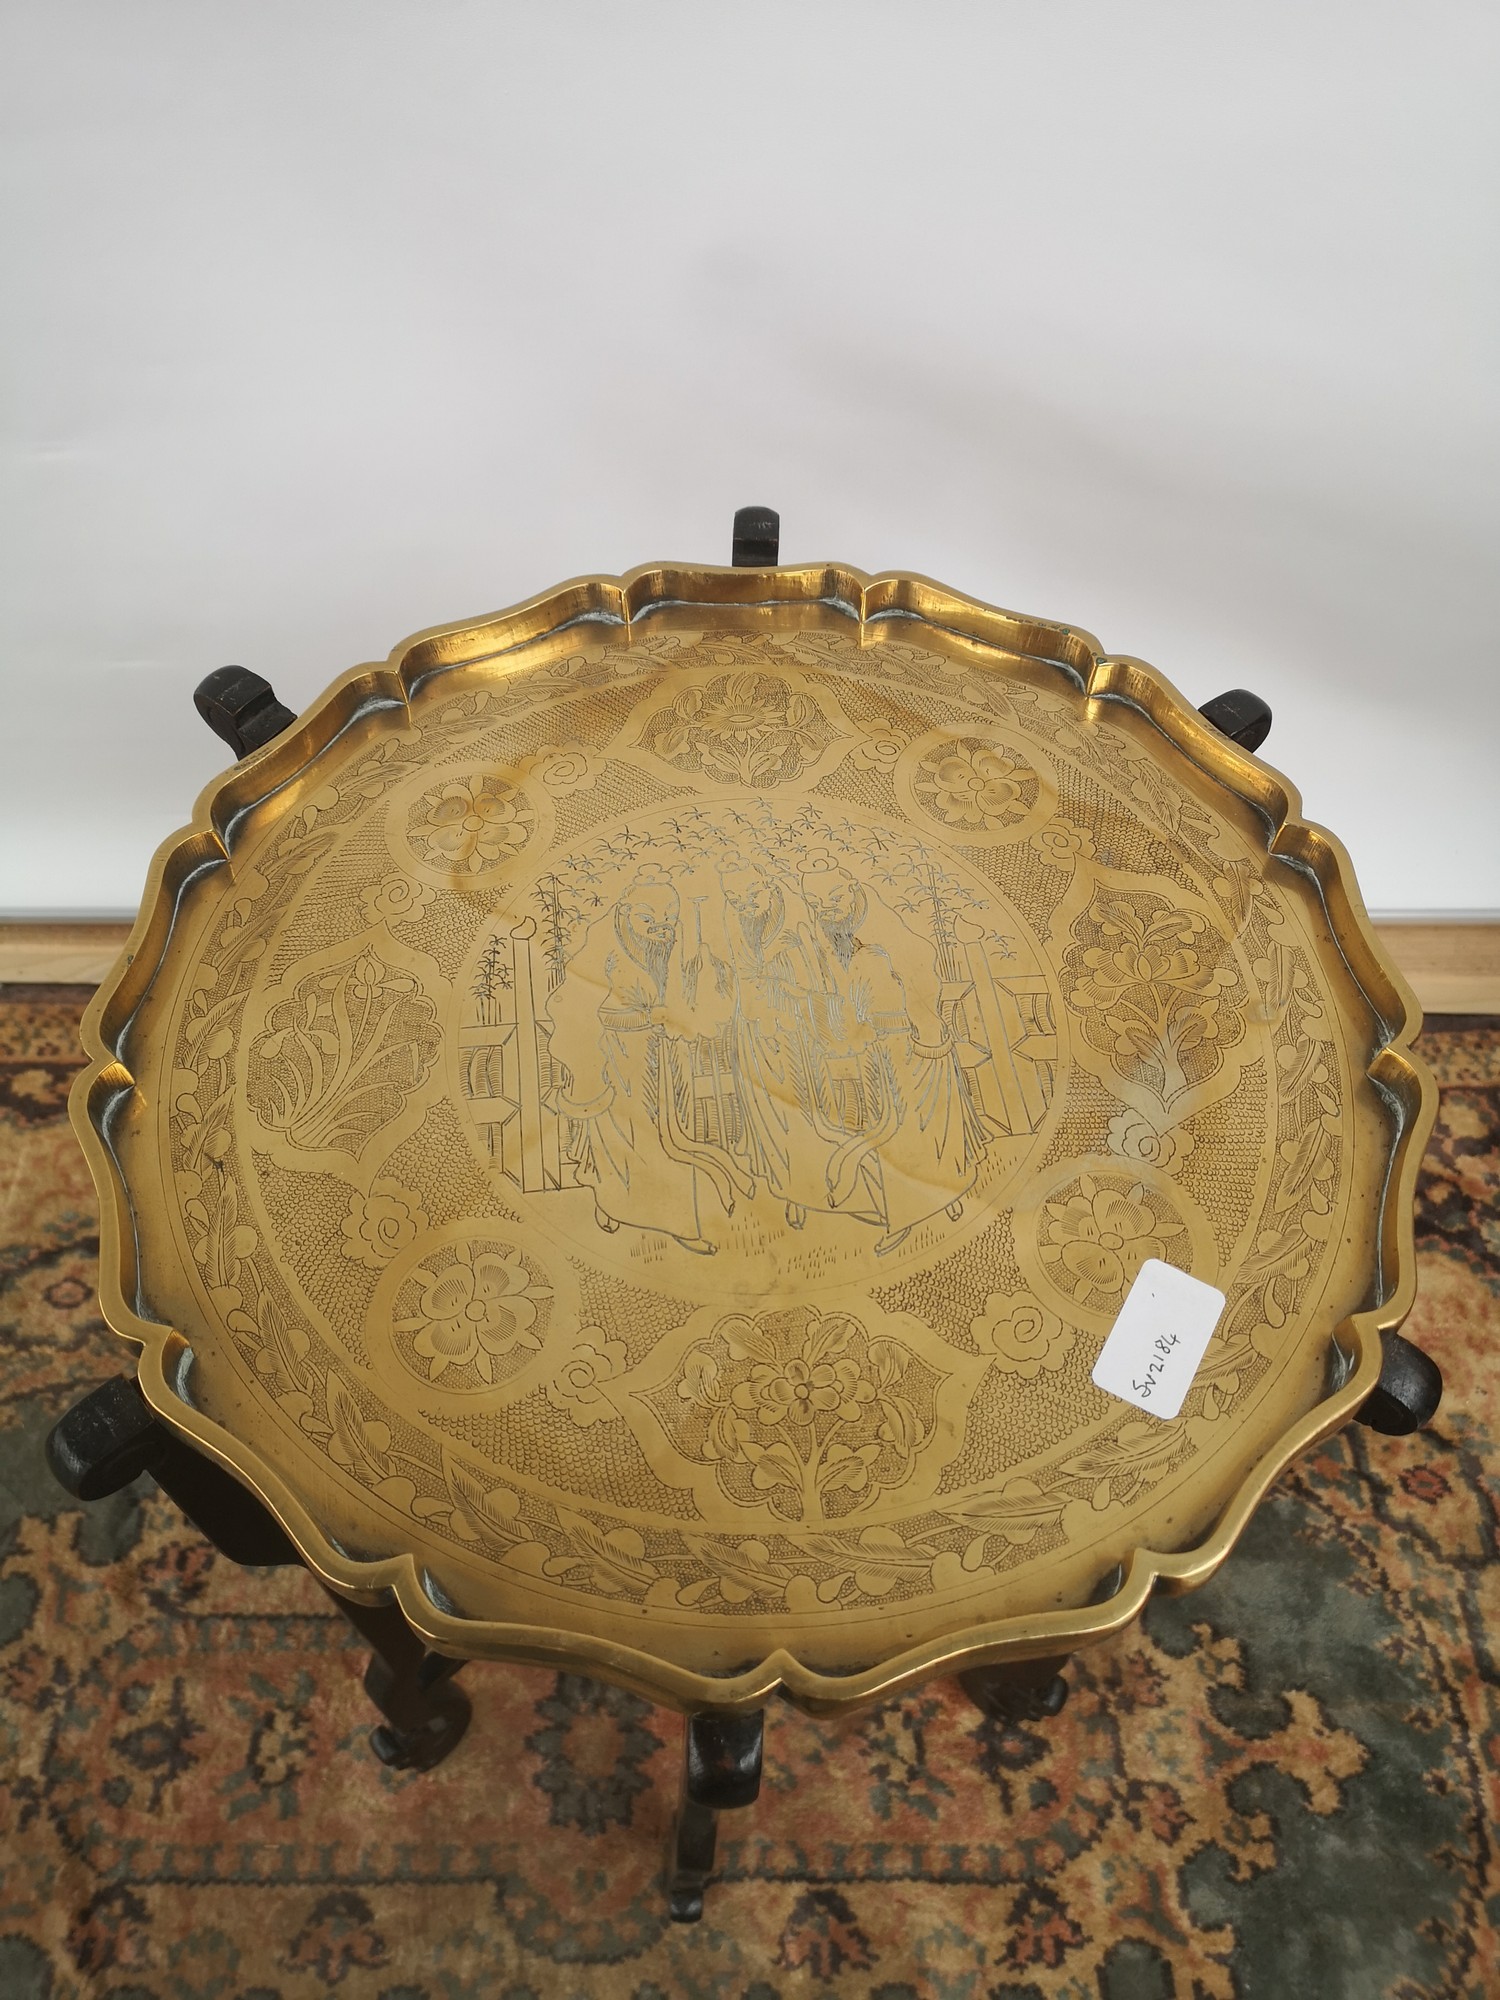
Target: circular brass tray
x=630 y=1124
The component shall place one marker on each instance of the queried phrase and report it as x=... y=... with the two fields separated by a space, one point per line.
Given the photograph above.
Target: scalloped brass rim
x=620 y=601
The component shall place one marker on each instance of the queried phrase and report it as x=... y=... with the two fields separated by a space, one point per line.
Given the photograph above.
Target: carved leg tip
x=1053 y=1697
x=388 y=1747
x=425 y=1747
x=685 y=1906
x=1409 y=1391
x=995 y=1694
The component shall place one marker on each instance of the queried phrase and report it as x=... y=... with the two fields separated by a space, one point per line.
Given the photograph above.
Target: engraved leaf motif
x=614 y=1557
x=1117 y=1467
x=846 y=1467
x=1017 y=1511
x=742 y=1571
x=221 y=1240
x=358 y=1443
x=341 y=1054
x=494 y=1510
x=775 y=1465
x=1309 y=1160
x=875 y=1581
x=880 y=1557
x=282 y=1343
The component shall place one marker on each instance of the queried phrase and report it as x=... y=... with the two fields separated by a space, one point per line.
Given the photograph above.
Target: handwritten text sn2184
x=1158 y=1338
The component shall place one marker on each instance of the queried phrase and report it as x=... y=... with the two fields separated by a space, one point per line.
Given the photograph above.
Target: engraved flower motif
x=474 y=1310
x=801 y=1407
x=796 y=1390
x=568 y=767
x=1062 y=843
x=1154 y=990
x=469 y=823
x=370 y=982
x=1136 y=1138
x=1101 y=1236
x=342 y=1053
x=747 y=728
x=1163 y=954
x=1022 y=1335
x=381 y=1224
x=972 y=785
x=743 y=707
x=396 y=900
x=578 y=1386
x=880 y=745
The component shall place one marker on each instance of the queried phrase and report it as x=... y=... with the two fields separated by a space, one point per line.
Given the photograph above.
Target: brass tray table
x=623 y=1131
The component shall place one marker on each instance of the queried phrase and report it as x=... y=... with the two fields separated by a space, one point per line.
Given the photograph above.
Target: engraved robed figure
x=638 y=997
x=889 y=1088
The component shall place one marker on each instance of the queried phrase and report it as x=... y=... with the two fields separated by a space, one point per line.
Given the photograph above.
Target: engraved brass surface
x=630 y=1124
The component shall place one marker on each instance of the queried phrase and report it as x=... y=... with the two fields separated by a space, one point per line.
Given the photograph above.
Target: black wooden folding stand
x=112 y=1436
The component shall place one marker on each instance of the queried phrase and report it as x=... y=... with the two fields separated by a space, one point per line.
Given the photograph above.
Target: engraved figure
x=887 y=1070
x=772 y=969
x=625 y=1023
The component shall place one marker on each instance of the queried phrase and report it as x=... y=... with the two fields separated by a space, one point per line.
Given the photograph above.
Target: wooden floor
x=1454 y=968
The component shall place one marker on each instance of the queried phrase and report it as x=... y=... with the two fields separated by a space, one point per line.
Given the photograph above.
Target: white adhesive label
x=1158 y=1338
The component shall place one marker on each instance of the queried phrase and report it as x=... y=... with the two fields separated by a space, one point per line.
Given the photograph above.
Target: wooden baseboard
x=59 y=954
x=1454 y=968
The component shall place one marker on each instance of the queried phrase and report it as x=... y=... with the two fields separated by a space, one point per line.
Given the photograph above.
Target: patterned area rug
x=1285 y=1785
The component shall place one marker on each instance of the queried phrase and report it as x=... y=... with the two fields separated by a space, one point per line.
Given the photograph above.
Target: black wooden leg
x=112 y=1436
x=242 y=708
x=425 y=1716
x=757 y=538
x=1409 y=1390
x=1029 y=1691
x=721 y=1759
x=1241 y=716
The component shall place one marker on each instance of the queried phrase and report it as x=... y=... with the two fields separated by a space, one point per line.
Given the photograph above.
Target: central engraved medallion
x=740 y=1047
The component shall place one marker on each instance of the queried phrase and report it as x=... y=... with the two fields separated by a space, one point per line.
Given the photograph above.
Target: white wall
x=327 y=322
